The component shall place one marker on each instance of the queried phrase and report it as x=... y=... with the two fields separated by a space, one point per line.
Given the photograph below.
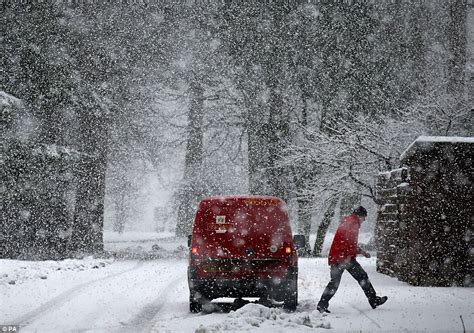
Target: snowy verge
x=144 y=245
x=135 y=236
x=17 y=272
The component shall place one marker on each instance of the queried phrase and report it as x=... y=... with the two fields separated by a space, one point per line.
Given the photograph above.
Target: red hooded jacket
x=345 y=244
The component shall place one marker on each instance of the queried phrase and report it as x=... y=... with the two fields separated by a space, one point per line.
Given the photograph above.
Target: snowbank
x=253 y=317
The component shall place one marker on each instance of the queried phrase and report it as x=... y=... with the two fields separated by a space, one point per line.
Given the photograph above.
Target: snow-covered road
x=143 y=296
x=117 y=296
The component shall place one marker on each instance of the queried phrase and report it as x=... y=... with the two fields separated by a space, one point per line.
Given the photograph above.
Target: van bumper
x=210 y=289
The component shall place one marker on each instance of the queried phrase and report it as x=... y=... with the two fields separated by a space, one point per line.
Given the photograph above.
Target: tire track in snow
x=65 y=296
x=145 y=318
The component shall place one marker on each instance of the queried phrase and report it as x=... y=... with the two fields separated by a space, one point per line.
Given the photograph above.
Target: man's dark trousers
x=357 y=272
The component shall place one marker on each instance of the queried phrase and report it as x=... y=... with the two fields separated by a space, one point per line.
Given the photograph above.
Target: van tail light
x=287 y=250
x=194 y=250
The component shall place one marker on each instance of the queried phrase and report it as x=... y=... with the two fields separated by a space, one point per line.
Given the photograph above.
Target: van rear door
x=243 y=234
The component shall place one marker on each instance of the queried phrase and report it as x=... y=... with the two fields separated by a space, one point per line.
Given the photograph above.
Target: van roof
x=240 y=197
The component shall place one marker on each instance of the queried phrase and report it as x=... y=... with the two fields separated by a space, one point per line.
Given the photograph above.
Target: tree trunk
x=192 y=189
x=87 y=231
x=278 y=134
x=257 y=151
x=457 y=46
x=278 y=125
x=50 y=216
x=348 y=201
x=121 y=208
x=323 y=227
x=304 y=224
x=417 y=49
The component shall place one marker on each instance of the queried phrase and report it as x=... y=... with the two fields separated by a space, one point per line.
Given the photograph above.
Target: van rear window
x=246 y=217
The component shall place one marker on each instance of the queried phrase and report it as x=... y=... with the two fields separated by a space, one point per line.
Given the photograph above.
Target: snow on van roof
x=240 y=196
x=436 y=139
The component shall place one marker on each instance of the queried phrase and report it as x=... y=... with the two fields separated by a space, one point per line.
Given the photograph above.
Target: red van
x=242 y=246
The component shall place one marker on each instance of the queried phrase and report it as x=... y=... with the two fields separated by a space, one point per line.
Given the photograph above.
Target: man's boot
x=377 y=301
x=322 y=308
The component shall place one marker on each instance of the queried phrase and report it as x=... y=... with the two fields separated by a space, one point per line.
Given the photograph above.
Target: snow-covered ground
x=107 y=295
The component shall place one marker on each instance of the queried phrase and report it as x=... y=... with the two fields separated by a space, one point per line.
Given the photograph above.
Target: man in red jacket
x=342 y=256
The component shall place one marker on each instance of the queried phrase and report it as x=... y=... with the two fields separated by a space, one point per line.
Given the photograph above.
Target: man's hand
x=364 y=253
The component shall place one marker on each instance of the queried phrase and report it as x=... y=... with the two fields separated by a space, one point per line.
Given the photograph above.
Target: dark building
x=426 y=212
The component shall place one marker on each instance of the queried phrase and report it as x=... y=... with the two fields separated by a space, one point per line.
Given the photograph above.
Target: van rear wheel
x=290 y=300
x=194 y=305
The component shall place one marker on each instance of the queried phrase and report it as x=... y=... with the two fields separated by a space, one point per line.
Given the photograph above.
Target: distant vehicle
x=242 y=246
